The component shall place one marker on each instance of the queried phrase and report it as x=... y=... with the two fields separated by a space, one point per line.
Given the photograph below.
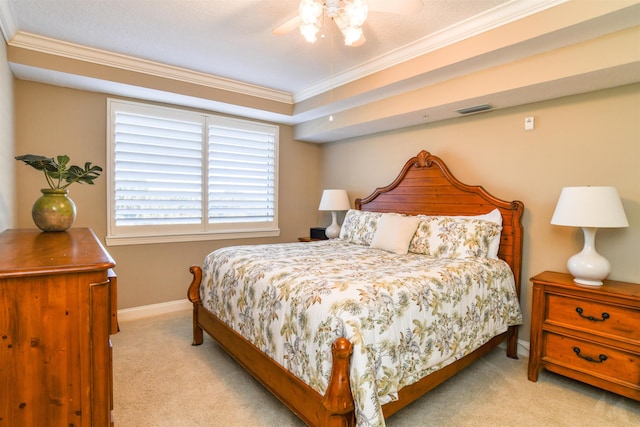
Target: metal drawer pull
x=605 y=316
x=601 y=358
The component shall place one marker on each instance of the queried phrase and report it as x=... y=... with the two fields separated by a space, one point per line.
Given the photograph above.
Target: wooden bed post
x=517 y=232
x=194 y=296
x=337 y=399
x=512 y=343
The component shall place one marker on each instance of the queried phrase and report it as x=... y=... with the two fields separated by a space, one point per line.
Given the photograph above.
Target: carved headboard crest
x=423 y=159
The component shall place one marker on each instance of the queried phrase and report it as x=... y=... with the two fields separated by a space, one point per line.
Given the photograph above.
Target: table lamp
x=334 y=200
x=590 y=208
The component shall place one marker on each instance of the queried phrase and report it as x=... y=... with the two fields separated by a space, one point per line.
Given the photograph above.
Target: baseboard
x=151 y=310
x=523 y=347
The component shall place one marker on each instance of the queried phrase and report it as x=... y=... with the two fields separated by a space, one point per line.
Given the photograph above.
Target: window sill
x=123 y=240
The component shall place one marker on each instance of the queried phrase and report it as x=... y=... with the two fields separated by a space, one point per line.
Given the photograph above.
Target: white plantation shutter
x=241 y=174
x=177 y=175
x=158 y=171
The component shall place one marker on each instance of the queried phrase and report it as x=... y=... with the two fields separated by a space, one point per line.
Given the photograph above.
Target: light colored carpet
x=160 y=379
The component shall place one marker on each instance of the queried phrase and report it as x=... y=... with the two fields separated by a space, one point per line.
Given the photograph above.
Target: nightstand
x=588 y=333
x=315 y=233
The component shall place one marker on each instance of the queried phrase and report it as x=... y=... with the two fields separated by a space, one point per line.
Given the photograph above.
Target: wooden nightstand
x=307 y=239
x=591 y=334
x=315 y=234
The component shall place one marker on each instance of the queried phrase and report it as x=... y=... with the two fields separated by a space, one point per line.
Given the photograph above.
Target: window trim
x=116 y=236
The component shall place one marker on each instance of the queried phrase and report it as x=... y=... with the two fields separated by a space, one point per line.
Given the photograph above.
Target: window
x=178 y=175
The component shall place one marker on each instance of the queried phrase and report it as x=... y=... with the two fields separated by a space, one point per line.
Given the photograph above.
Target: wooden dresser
x=57 y=311
x=589 y=333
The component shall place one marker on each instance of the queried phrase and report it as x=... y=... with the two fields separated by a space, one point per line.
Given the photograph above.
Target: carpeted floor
x=160 y=379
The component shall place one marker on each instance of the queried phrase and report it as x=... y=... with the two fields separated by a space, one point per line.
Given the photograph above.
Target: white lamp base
x=333 y=230
x=589 y=267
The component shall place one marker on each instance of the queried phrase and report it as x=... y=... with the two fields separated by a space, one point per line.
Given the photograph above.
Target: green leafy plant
x=59 y=174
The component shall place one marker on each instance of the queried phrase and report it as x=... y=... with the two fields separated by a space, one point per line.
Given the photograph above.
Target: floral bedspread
x=406 y=315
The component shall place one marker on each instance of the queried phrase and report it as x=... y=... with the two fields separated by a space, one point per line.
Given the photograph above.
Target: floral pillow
x=359 y=227
x=454 y=237
x=494 y=216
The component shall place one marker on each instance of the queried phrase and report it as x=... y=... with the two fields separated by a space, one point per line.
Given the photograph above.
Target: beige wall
x=7 y=163
x=53 y=120
x=589 y=139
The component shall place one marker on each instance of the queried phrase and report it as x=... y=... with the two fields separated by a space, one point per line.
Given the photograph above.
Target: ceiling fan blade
x=287 y=27
x=401 y=7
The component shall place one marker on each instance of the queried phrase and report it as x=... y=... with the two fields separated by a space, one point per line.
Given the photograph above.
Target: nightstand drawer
x=594 y=359
x=595 y=317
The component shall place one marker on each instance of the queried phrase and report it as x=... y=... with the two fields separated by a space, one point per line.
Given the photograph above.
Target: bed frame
x=424 y=186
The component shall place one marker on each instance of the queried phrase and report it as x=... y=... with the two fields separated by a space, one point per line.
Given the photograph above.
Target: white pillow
x=394 y=233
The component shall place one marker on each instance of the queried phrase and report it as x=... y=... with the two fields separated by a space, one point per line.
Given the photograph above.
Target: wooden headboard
x=426 y=186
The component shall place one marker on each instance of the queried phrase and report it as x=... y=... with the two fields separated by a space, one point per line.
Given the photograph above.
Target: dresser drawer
x=595 y=317
x=594 y=359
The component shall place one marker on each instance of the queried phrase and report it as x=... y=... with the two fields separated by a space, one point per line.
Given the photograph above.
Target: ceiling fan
x=348 y=15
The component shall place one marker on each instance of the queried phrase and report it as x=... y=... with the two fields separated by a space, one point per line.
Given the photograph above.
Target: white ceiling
x=232 y=39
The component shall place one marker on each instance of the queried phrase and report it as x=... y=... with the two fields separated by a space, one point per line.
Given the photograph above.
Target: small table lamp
x=334 y=200
x=590 y=208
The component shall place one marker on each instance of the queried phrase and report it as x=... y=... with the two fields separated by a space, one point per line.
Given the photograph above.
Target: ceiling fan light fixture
x=349 y=16
x=351 y=35
x=309 y=31
x=357 y=11
x=310 y=11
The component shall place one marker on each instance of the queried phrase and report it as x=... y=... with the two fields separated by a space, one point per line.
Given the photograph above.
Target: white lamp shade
x=334 y=200
x=590 y=207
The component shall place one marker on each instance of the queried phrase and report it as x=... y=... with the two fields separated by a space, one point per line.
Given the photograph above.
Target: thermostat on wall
x=529 y=123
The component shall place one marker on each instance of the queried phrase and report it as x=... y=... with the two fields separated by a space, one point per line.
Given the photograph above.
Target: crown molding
x=8 y=24
x=33 y=42
x=494 y=18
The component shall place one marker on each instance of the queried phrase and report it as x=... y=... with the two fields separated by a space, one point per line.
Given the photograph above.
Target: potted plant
x=54 y=210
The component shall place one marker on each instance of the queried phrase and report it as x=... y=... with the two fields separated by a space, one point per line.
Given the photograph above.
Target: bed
x=348 y=331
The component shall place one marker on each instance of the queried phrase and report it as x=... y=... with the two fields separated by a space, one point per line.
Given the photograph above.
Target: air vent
x=474 y=109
